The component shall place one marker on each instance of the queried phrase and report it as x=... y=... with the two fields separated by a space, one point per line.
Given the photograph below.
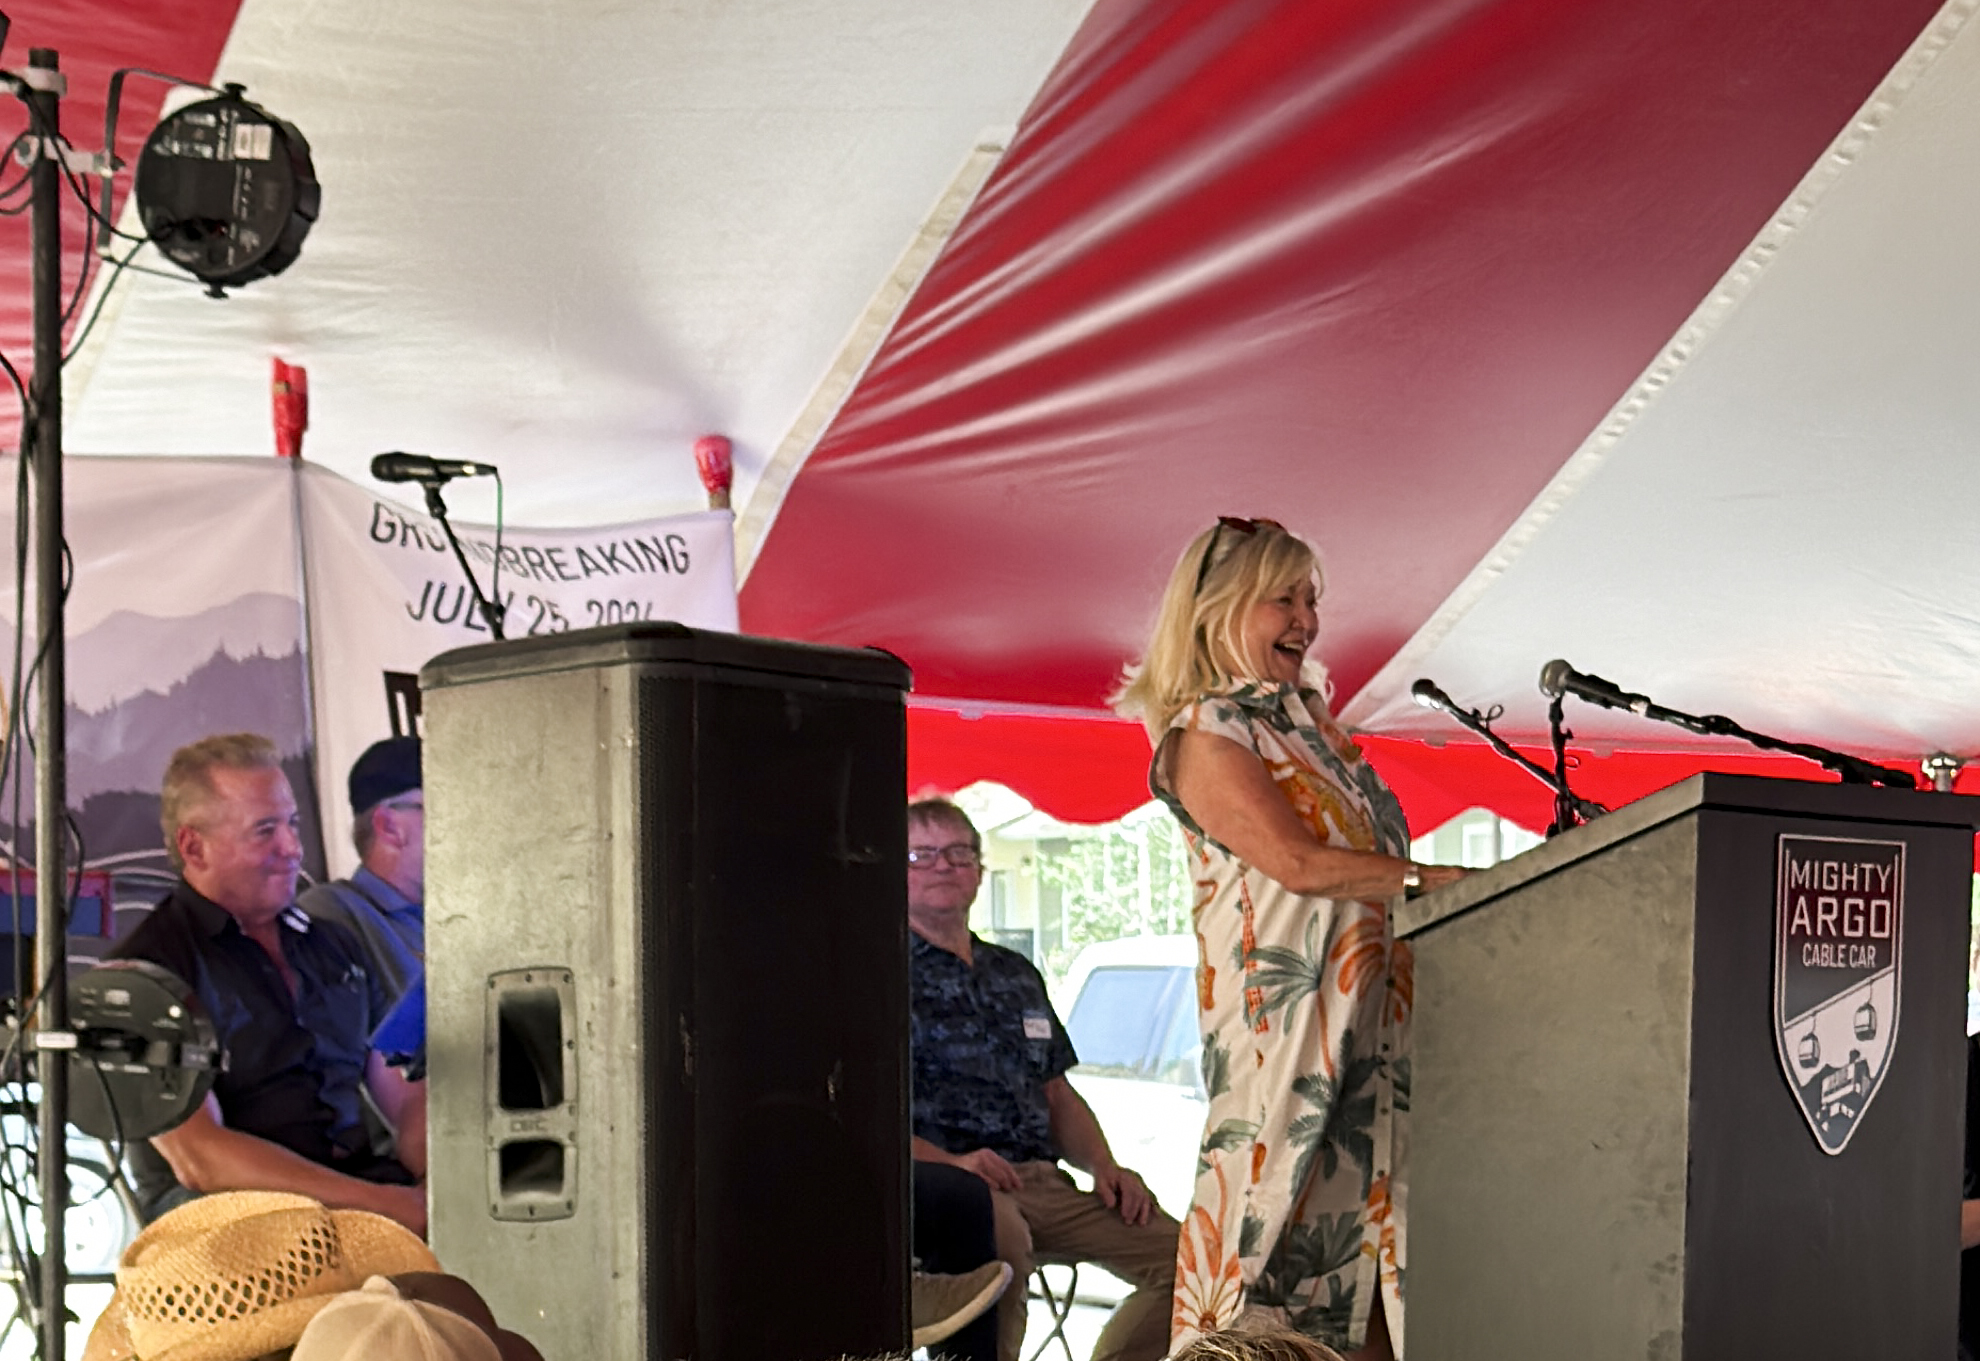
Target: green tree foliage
x=1129 y=879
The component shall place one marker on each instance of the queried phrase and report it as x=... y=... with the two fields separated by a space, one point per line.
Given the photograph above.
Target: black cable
x=103 y=296
x=17 y=731
x=27 y=172
x=21 y=1244
x=20 y=390
x=14 y=190
x=82 y=194
x=89 y=256
x=57 y=968
x=58 y=899
x=10 y=743
x=495 y=586
x=13 y=1216
x=115 y=1148
x=82 y=286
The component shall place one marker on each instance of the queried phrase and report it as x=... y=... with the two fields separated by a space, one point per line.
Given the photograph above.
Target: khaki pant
x=1049 y=1217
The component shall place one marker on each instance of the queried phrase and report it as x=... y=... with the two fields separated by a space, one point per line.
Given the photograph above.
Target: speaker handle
x=530 y=1093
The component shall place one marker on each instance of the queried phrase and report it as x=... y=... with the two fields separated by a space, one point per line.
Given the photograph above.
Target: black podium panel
x=1608 y=1155
x=1852 y=1254
x=667 y=976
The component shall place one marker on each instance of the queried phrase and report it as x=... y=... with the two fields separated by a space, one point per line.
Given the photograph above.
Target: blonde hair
x=1198 y=642
x=1276 y=1344
x=188 y=785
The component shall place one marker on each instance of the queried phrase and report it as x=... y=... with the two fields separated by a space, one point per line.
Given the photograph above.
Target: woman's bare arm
x=1228 y=791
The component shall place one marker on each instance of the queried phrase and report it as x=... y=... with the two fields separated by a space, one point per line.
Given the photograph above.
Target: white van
x=1130 y=1007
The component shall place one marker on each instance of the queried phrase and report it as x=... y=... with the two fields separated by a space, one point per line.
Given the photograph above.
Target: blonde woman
x=1298 y=850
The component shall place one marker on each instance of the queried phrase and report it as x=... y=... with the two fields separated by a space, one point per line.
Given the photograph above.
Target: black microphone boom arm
x=1558 y=678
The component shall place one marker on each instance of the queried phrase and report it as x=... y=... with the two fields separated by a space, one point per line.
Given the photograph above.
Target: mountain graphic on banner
x=154 y=685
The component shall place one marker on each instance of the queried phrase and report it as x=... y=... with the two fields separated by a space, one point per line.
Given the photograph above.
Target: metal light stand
x=51 y=937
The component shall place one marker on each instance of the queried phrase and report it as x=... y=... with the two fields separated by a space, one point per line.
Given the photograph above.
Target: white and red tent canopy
x=1644 y=336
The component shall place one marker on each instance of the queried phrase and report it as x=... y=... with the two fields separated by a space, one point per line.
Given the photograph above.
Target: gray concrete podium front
x=1607 y=1158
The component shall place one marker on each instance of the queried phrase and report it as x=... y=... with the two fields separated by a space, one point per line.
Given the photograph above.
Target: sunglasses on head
x=1237 y=524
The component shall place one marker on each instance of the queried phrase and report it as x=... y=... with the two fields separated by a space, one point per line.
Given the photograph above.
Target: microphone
x=1558 y=678
x=403 y=467
x=1427 y=693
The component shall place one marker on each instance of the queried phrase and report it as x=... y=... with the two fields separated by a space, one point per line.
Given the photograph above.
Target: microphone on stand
x=1427 y=693
x=1569 y=807
x=431 y=474
x=403 y=467
x=1557 y=678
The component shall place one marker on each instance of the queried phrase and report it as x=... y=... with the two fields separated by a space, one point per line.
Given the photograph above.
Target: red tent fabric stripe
x=1076 y=769
x=1373 y=269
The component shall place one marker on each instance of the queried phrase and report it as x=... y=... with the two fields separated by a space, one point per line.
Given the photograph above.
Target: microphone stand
x=1577 y=809
x=1851 y=769
x=436 y=506
x=1568 y=809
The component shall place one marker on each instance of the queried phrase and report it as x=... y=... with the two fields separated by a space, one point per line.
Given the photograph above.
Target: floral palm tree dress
x=1297 y=1216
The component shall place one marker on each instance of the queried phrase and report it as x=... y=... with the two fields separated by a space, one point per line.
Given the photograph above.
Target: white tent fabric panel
x=570 y=242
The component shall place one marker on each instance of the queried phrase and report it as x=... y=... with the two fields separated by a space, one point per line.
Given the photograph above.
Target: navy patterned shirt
x=985 y=1041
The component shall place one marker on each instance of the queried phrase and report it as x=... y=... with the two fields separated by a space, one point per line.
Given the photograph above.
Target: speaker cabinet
x=667 y=998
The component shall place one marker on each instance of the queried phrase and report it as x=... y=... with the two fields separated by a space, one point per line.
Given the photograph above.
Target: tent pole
x=50 y=693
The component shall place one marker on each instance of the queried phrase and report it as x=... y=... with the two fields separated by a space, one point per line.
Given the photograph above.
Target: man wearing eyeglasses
x=383 y=904
x=990 y=1095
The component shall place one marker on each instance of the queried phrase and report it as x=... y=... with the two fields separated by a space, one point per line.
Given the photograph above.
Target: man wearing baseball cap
x=384 y=903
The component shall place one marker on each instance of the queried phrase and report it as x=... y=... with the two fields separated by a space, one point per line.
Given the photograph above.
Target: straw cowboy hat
x=234 y=1276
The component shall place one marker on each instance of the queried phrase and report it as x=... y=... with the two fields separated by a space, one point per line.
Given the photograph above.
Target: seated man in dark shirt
x=990 y=1095
x=291 y=1001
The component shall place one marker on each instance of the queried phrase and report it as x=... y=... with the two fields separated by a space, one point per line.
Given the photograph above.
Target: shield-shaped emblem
x=1838 y=938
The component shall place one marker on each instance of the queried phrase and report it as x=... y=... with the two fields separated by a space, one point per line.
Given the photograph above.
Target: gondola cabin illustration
x=1844 y=1090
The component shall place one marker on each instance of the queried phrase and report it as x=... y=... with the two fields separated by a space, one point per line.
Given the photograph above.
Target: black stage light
x=226 y=191
x=145 y=1054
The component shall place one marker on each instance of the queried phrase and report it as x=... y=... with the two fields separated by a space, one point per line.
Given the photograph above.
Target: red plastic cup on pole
x=714 y=460
x=290 y=395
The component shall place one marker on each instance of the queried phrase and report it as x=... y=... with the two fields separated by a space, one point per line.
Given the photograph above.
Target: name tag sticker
x=1037 y=1026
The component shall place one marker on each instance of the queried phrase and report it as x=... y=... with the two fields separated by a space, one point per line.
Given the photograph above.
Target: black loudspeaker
x=667 y=997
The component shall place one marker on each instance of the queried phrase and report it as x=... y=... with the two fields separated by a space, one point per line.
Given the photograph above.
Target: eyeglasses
x=958 y=856
x=1237 y=524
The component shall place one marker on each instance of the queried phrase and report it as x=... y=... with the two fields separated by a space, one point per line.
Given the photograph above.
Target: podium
x=1688 y=1083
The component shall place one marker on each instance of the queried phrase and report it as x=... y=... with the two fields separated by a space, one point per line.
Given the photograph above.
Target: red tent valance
x=1092 y=769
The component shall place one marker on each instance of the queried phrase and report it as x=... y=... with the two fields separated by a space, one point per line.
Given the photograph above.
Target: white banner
x=184 y=619
x=386 y=594
x=196 y=608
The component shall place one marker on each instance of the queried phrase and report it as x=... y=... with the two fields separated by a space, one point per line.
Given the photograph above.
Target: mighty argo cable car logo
x=1838 y=942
